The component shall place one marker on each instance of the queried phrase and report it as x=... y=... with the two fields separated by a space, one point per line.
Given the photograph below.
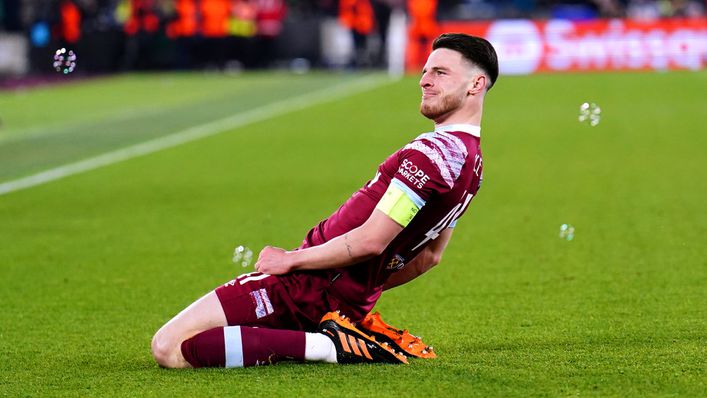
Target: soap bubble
x=566 y=232
x=300 y=66
x=243 y=256
x=589 y=112
x=64 y=61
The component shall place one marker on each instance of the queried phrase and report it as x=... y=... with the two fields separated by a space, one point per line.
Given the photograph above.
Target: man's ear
x=477 y=84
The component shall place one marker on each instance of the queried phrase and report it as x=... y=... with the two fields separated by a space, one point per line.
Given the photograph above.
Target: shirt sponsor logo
x=396 y=262
x=412 y=173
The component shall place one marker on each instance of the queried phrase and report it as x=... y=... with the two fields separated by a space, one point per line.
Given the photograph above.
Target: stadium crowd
x=148 y=34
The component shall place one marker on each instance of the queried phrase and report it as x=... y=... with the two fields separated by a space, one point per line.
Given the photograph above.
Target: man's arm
x=355 y=246
x=423 y=262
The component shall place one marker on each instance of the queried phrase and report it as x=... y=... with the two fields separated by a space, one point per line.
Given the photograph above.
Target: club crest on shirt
x=396 y=262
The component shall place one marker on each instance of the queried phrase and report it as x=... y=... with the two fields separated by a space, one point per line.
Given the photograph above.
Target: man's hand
x=272 y=261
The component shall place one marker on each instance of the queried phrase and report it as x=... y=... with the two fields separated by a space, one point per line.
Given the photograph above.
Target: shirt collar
x=466 y=128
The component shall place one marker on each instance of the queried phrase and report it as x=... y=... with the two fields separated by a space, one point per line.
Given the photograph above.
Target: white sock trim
x=234 y=346
x=319 y=347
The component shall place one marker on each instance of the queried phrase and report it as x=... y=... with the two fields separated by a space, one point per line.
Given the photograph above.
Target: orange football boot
x=353 y=345
x=408 y=343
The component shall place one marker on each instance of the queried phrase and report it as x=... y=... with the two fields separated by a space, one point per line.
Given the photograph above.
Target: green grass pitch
x=91 y=265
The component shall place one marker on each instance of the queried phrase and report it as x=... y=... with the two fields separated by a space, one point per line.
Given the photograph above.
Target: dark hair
x=474 y=49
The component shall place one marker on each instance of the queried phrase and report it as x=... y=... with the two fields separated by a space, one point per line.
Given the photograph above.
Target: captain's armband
x=400 y=203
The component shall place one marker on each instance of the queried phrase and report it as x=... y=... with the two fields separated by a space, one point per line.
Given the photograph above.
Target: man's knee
x=167 y=352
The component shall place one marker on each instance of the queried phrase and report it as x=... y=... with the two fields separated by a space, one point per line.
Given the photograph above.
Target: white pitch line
x=198 y=132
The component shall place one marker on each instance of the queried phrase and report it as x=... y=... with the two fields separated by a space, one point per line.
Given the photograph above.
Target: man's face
x=445 y=80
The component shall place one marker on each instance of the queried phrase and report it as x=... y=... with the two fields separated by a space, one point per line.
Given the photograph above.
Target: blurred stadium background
x=92 y=265
x=123 y=35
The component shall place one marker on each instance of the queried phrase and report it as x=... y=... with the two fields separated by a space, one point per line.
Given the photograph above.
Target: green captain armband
x=398 y=205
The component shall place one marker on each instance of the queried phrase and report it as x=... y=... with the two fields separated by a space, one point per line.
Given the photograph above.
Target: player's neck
x=461 y=116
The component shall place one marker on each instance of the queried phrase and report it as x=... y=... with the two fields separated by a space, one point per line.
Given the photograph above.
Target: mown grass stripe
x=198 y=132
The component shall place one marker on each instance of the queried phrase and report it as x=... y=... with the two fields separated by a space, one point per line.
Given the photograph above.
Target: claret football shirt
x=425 y=187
